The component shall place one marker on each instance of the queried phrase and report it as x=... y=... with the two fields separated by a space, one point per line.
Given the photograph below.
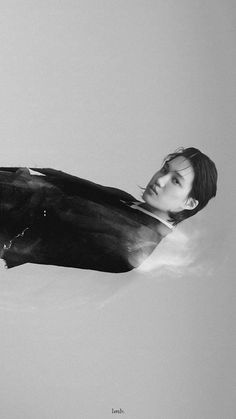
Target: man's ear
x=191 y=203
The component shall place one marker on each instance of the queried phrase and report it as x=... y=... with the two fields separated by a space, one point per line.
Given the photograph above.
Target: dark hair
x=204 y=183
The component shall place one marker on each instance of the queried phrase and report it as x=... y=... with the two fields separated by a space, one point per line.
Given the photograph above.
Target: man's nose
x=162 y=180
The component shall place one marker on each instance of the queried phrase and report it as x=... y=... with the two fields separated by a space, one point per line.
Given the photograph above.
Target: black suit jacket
x=60 y=219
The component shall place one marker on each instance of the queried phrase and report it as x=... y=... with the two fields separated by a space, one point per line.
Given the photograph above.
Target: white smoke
x=175 y=253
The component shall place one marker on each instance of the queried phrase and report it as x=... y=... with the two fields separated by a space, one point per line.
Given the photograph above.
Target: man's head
x=183 y=186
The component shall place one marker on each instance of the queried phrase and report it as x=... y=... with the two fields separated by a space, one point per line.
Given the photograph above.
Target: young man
x=50 y=217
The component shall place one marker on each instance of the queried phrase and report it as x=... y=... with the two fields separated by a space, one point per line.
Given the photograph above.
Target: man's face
x=169 y=188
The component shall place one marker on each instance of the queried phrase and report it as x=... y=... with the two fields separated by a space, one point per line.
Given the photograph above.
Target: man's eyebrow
x=175 y=172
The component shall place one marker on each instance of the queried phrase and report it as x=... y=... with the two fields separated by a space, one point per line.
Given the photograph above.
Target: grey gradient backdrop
x=103 y=90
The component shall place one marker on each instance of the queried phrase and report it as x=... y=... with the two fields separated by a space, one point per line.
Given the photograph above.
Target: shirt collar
x=136 y=205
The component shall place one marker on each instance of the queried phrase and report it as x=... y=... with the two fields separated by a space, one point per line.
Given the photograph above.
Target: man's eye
x=175 y=181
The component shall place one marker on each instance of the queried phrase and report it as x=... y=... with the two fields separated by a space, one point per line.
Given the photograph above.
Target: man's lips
x=153 y=188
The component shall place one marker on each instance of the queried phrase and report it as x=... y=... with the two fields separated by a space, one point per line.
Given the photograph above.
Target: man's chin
x=149 y=198
x=151 y=204
x=146 y=197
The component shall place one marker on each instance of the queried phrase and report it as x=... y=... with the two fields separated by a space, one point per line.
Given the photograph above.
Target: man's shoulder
x=115 y=192
x=72 y=182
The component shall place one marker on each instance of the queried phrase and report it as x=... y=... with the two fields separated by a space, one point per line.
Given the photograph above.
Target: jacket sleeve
x=75 y=185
